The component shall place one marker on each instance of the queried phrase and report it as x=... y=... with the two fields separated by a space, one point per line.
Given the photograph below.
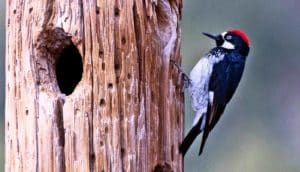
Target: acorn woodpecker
x=213 y=81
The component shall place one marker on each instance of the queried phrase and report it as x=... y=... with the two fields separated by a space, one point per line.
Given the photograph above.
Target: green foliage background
x=260 y=128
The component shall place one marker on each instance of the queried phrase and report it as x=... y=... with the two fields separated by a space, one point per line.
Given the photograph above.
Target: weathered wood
x=125 y=114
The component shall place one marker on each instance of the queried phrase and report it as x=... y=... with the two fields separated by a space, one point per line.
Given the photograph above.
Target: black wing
x=223 y=83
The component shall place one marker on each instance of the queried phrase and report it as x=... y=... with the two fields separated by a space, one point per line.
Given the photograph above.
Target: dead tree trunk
x=90 y=87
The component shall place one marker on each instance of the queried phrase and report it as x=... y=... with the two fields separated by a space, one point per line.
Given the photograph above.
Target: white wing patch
x=211 y=97
x=198 y=89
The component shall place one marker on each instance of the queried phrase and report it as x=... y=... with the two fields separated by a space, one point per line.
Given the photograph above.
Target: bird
x=213 y=81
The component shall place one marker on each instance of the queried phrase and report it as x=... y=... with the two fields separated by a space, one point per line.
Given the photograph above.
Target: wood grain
x=126 y=113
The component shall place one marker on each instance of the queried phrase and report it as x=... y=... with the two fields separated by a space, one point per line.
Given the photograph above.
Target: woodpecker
x=213 y=81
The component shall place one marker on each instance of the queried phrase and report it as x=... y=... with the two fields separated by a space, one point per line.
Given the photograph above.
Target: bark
x=90 y=86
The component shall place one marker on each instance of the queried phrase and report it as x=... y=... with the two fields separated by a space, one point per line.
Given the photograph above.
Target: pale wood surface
x=126 y=114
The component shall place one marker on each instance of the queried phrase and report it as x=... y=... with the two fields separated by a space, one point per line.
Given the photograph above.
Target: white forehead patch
x=223 y=34
x=226 y=44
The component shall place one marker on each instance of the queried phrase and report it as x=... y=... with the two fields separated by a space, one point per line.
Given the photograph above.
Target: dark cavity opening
x=69 y=69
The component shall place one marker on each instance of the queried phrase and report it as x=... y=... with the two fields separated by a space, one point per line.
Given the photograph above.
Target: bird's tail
x=189 y=139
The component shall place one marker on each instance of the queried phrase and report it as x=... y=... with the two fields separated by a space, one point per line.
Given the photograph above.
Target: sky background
x=259 y=130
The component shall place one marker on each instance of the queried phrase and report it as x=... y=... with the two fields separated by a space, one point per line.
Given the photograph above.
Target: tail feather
x=203 y=141
x=206 y=129
x=189 y=139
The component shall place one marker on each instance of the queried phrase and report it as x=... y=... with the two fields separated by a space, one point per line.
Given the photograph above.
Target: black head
x=234 y=40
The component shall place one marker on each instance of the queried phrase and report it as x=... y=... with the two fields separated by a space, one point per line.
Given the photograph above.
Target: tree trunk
x=90 y=87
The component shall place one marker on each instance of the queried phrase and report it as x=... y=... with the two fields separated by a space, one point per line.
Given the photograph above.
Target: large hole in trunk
x=68 y=69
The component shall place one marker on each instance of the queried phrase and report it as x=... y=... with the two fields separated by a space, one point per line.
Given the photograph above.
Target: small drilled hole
x=123 y=40
x=110 y=85
x=69 y=69
x=30 y=10
x=123 y=152
x=66 y=19
x=97 y=10
x=92 y=157
x=128 y=76
x=103 y=66
x=102 y=102
x=117 y=12
x=117 y=66
x=14 y=11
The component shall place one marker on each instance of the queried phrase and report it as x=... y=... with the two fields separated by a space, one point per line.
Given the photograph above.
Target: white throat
x=227 y=45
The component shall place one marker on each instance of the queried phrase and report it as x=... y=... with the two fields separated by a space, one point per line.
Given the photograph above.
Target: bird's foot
x=185 y=77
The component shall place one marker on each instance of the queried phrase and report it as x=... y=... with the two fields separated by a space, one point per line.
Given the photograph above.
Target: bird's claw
x=185 y=77
x=186 y=80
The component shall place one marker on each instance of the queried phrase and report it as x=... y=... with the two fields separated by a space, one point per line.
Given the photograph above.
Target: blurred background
x=259 y=130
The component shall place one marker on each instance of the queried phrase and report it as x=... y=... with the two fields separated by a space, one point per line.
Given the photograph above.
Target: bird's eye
x=228 y=37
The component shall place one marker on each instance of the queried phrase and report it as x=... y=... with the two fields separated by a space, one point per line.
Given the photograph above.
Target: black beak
x=212 y=36
x=218 y=38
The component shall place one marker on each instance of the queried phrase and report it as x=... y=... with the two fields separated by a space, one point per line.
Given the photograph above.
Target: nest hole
x=69 y=69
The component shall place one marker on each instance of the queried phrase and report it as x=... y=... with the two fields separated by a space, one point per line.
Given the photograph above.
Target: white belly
x=198 y=89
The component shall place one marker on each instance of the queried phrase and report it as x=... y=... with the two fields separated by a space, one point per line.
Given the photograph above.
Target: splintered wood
x=126 y=113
